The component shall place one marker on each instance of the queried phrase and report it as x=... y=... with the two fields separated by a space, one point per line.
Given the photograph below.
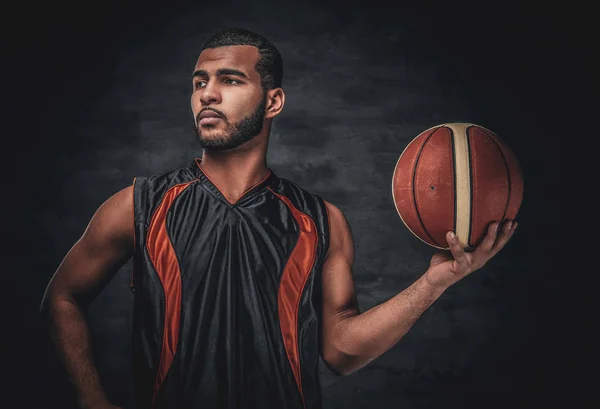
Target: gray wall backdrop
x=105 y=97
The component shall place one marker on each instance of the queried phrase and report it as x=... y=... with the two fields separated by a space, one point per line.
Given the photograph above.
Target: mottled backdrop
x=105 y=97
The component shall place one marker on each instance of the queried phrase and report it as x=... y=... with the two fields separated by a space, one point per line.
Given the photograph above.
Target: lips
x=209 y=118
x=209 y=114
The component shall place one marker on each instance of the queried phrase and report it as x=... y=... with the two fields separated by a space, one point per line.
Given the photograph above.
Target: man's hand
x=351 y=339
x=446 y=268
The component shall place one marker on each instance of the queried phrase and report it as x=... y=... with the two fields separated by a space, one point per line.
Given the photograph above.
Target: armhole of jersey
x=327 y=231
x=132 y=282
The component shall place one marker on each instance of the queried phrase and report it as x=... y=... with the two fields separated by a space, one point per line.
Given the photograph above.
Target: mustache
x=216 y=111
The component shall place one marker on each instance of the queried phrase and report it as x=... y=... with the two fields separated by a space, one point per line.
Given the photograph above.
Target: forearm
x=71 y=337
x=360 y=339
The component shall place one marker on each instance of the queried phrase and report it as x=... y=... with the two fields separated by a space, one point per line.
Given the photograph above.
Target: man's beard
x=235 y=134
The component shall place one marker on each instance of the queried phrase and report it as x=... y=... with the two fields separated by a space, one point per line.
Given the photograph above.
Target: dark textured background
x=102 y=96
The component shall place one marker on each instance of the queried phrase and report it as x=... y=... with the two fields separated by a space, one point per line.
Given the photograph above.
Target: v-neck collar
x=254 y=190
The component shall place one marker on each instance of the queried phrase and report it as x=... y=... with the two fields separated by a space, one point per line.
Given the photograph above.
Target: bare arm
x=104 y=247
x=352 y=339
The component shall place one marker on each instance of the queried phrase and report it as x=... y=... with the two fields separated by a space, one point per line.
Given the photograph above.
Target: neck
x=236 y=171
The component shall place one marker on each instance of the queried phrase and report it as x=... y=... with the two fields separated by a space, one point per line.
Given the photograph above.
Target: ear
x=275 y=102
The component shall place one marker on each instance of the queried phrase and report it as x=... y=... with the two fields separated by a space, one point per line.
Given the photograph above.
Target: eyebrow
x=222 y=71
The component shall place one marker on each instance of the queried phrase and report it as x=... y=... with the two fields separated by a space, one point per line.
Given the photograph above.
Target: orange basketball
x=458 y=177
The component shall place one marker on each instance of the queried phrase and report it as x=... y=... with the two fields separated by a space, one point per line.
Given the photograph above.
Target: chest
x=211 y=239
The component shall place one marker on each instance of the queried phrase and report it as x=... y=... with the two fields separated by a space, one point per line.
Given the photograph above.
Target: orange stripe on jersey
x=293 y=280
x=160 y=250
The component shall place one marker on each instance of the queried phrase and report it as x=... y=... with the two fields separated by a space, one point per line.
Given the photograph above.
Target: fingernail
x=452 y=236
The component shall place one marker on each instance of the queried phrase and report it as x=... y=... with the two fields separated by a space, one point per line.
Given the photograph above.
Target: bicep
x=339 y=294
x=106 y=244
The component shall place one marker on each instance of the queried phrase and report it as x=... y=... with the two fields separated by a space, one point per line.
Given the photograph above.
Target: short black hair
x=269 y=65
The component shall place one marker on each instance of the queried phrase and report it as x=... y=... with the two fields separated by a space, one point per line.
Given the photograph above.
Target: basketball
x=456 y=177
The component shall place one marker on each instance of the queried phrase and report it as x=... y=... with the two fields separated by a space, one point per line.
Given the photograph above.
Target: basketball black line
x=413 y=187
x=454 y=178
x=507 y=172
x=470 y=185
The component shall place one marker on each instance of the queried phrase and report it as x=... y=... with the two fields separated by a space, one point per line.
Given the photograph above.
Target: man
x=242 y=280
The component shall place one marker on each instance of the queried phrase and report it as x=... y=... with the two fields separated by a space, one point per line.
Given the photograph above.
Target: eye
x=232 y=81
x=199 y=84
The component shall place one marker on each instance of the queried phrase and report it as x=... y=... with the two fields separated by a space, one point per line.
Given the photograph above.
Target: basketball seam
x=414 y=173
x=454 y=180
x=507 y=173
x=469 y=154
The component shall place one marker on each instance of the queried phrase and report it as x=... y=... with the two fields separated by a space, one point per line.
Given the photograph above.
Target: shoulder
x=113 y=220
x=299 y=195
x=337 y=218
x=294 y=187
x=334 y=212
x=149 y=187
x=341 y=240
x=168 y=178
x=149 y=191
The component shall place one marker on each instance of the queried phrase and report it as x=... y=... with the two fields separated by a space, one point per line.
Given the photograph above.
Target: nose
x=210 y=94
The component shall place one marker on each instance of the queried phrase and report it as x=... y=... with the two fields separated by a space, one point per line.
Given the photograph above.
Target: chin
x=213 y=139
x=212 y=134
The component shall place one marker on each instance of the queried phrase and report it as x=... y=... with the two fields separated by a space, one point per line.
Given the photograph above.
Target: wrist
x=435 y=286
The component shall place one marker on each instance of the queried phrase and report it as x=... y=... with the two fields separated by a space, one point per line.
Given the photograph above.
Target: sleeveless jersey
x=227 y=296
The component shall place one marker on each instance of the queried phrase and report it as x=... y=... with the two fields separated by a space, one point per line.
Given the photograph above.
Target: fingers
x=462 y=263
x=504 y=234
x=490 y=238
x=495 y=239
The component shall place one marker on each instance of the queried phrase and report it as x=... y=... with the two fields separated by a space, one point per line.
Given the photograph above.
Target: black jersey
x=227 y=295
